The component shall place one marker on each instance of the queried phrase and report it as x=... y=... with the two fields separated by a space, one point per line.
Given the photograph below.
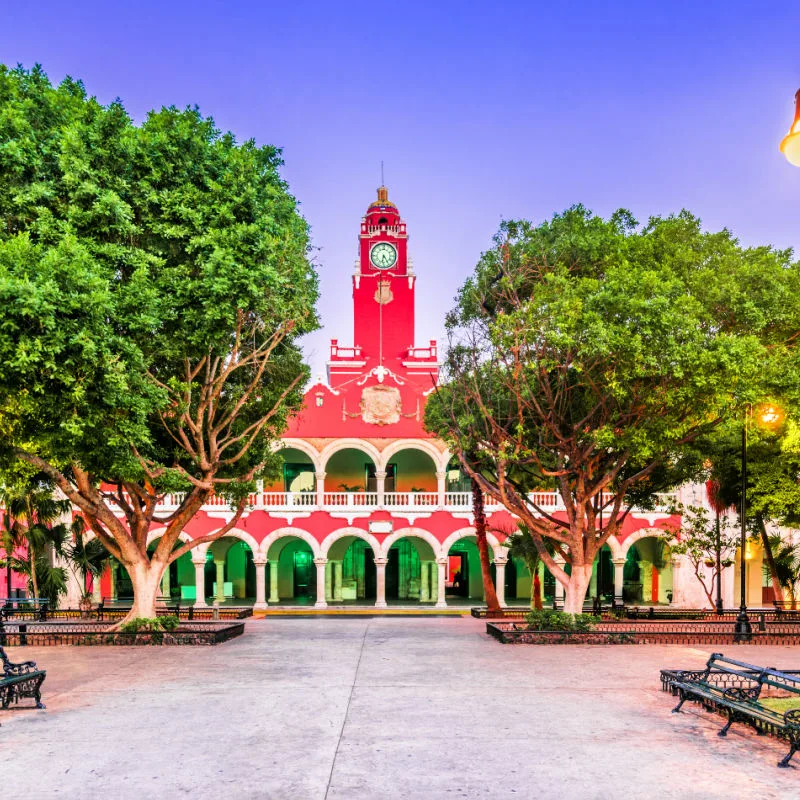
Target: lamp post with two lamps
x=770 y=416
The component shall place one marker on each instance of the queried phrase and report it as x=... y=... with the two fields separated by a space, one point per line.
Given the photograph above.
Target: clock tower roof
x=382 y=202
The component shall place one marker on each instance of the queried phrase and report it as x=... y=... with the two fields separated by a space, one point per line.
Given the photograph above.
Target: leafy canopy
x=593 y=348
x=128 y=254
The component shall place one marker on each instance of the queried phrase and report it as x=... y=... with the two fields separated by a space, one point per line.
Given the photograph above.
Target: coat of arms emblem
x=380 y=405
x=383 y=294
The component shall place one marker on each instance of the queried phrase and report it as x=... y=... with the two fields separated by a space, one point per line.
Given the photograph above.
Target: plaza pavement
x=305 y=709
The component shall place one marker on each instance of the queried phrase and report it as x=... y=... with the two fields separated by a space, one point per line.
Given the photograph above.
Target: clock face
x=383 y=255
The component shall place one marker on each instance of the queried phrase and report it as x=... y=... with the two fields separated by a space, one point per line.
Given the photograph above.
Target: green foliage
x=150 y=624
x=589 y=355
x=786 y=556
x=127 y=252
x=549 y=620
x=32 y=531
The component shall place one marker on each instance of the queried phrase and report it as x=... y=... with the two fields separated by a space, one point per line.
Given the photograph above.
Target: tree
x=85 y=557
x=479 y=515
x=709 y=546
x=521 y=545
x=154 y=281
x=32 y=519
x=586 y=355
x=773 y=467
x=786 y=564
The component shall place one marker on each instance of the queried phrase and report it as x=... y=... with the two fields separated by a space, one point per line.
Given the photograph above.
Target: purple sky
x=480 y=110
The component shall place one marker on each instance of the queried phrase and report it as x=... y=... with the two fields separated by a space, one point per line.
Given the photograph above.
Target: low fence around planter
x=47 y=634
x=112 y=613
x=626 y=632
x=648 y=613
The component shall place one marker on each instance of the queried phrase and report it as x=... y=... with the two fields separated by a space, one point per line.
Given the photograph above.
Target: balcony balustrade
x=395 y=501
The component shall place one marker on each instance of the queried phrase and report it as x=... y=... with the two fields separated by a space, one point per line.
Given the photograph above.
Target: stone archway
x=297 y=567
x=350 y=572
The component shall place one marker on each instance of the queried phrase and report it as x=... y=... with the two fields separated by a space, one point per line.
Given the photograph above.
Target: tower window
x=383 y=221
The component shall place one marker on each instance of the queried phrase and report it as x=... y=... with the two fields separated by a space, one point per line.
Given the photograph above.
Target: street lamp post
x=743 y=631
x=769 y=416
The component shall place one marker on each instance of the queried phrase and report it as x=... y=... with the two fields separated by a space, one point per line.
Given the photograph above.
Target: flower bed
x=627 y=632
x=44 y=634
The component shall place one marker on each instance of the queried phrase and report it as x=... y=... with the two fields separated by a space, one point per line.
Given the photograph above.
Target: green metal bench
x=742 y=702
x=20 y=680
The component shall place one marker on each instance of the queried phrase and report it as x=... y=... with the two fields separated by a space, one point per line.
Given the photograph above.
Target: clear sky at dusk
x=480 y=111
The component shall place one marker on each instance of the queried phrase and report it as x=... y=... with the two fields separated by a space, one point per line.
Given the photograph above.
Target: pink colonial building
x=370 y=508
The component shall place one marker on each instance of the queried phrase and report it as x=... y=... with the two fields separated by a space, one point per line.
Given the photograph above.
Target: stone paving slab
x=306 y=709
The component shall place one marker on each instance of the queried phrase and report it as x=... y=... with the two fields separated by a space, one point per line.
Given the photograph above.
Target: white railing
x=459 y=500
x=453 y=501
x=350 y=499
x=411 y=499
x=286 y=499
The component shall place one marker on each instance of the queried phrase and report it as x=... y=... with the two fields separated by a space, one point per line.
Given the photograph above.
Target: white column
x=274 y=596
x=337 y=580
x=380 y=583
x=261 y=584
x=321 y=601
x=500 y=580
x=440 y=488
x=320 y=476
x=425 y=581
x=329 y=581
x=97 y=592
x=678 y=598
x=200 y=582
x=440 y=601
x=619 y=566
x=220 y=594
x=165 y=587
x=113 y=565
x=380 y=486
x=559 y=598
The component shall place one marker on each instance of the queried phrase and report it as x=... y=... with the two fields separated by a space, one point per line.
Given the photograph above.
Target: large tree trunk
x=576 y=588
x=146 y=577
x=483 y=548
x=776 y=586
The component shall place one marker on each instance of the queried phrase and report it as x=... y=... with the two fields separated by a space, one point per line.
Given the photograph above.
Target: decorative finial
x=383 y=182
x=383 y=195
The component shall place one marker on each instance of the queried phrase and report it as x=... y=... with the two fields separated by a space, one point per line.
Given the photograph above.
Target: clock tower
x=383 y=304
x=383 y=283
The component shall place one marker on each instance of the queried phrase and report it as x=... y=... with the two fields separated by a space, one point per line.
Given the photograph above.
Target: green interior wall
x=286 y=565
x=414 y=470
x=346 y=468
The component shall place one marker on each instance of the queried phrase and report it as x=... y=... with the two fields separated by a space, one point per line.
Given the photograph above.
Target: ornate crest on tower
x=383 y=294
x=380 y=405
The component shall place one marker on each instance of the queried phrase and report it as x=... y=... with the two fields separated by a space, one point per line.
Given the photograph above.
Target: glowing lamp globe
x=790 y=144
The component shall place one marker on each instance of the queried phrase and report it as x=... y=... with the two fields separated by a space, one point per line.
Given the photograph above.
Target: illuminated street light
x=770 y=416
x=790 y=144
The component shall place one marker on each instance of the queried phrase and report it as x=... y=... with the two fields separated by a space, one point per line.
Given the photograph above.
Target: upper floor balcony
x=365 y=502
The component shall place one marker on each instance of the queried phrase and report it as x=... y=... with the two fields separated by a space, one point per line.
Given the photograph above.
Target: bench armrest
x=742 y=692
x=690 y=674
x=20 y=669
x=792 y=718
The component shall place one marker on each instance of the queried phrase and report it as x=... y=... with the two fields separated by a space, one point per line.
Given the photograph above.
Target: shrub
x=548 y=620
x=150 y=625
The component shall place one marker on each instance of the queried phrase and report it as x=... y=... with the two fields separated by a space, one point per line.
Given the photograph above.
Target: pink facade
x=396 y=480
